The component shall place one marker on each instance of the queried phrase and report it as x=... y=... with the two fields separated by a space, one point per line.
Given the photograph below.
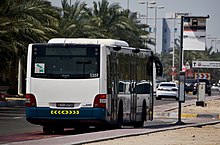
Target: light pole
x=216 y=42
x=212 y=39
x=174 y=39
x=147 y=5
x=128 y=4
x=155 y=23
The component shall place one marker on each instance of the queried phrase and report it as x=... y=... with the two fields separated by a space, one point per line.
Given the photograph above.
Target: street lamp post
x=216 y=42
x=155 y=23
x=147 y=5
x=174 y=31
x=213 y=39
x=128 y=4
x=146 y=22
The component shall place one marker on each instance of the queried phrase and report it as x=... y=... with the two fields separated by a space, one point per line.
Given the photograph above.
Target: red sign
x=173 y=73
x=183 y=68
x=189 y=73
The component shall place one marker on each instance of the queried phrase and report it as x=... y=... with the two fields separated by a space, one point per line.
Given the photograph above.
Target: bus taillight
x=100 y=101
x=30 y=100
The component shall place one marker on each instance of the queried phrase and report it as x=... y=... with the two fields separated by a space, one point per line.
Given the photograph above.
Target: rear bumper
x=167 y=95
x=66 y=117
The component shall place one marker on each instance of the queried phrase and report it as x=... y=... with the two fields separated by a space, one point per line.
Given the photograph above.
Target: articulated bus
x=79 y=83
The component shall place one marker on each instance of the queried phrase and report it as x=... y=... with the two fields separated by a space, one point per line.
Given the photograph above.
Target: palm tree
x=110 y=21
x=74 y=20
x=101 y=21
x=28 y=21
x=132 y=31
x=22 y=23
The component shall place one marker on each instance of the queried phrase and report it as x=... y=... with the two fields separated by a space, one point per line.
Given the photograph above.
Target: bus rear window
x=59 y=61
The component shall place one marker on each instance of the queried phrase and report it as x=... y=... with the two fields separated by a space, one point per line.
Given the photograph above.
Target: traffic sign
x=173 y=73
x=187 y=65
x=183 y=68
x=173 y=69
x=202 y=76
x=206 y=64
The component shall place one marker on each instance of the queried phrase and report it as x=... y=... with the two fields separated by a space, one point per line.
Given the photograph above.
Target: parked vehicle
x=167 y=90
x=207 y=86
x=215 y=87
x=189 y=84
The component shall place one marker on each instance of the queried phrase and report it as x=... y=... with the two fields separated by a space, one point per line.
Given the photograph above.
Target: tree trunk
x=20 y=78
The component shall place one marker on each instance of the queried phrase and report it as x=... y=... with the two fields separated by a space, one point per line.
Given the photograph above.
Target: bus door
x=114 y=81
x=133 y=79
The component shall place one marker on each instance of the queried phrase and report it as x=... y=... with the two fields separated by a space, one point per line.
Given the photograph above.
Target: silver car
x=167 y=90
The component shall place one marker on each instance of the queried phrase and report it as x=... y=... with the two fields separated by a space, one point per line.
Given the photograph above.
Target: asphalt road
x=12 y=119
x=14 y=127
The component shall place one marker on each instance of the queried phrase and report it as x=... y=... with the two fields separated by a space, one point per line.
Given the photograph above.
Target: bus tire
x=58 y=130
x=143 y=116
x=144 y=112
x=120 y=115
x=47 y=130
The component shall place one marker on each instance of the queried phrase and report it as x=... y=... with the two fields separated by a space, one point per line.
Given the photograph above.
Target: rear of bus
x=64 y=88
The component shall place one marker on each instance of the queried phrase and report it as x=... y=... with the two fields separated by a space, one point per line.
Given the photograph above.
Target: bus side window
x=121 y=87
x=159 y=67
x=143 y=88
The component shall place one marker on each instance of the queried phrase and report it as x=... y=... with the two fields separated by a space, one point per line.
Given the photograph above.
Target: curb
x=59 y=140
x=144 y=132
x=185 y=115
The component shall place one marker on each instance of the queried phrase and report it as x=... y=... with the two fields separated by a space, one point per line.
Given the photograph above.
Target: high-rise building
x=170 y=32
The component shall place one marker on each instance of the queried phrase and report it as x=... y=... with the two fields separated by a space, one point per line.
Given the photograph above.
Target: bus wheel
x=143 y=116
x=120 y=115
x=47 y=130
x=58 y=130
x=144 y=112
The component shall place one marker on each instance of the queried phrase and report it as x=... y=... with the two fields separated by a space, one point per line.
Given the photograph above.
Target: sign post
x=181 y=94
x=182 y=86
x=179 y=122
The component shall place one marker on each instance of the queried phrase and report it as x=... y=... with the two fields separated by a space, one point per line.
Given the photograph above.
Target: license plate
x=64 y=104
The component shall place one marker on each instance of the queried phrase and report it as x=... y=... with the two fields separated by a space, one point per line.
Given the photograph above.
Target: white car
x=167 y=90
x=215 y=87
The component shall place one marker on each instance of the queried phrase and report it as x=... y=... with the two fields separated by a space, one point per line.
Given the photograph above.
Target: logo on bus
x=64 y=112
x=94 y=75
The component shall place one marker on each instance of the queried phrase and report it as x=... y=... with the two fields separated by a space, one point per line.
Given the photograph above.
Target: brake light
x=30 y=100
x=100 y=101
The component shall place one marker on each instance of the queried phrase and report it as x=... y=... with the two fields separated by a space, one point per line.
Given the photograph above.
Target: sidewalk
x=190 y=110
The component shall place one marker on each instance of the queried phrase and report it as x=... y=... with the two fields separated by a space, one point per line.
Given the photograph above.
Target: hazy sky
x=195 y=7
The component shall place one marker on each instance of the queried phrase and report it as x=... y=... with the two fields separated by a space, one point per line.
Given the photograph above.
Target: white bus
x=78 y=83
